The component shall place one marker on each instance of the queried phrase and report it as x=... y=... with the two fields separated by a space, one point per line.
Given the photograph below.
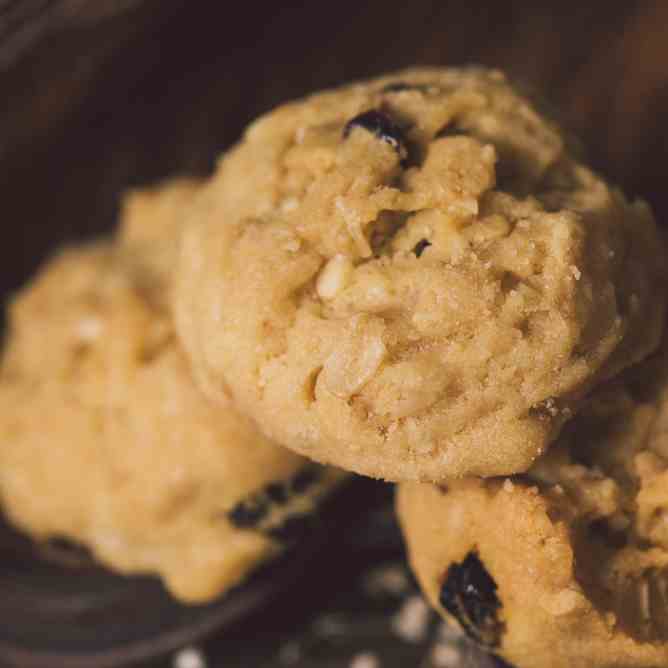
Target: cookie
x=414 y=277
x=106 y=440
x=566 y=565
x=151 y=220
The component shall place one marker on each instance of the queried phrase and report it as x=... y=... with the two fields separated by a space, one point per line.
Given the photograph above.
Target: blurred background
x=99 y=95
x=96 y=95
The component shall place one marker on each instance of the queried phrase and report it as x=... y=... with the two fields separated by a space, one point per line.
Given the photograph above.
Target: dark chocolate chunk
x=468 y=593
x=420 y=246
x=382 y=126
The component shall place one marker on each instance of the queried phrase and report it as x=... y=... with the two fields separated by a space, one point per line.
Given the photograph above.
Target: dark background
x=97 y=95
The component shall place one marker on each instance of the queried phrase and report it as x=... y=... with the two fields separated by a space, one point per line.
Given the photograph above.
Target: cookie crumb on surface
x=190 y=657
x=445 y=656
x=411 y=622
x=289 y=654
x=387 y=579
x=330 y=625
x=365 y=660
x=449 y=632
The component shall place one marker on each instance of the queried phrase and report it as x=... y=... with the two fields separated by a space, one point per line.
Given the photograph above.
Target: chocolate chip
x=469 y=595
x=382 y=126
x=420 y=246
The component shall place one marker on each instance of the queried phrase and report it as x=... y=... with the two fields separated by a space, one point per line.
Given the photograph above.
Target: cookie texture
x=151 y=221
x=566 y=565
x=415 y=277
x=105 y=439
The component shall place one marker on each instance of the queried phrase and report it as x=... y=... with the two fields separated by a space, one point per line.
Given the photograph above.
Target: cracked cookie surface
x=572 y=557
x=105 y=439
x=414 y=277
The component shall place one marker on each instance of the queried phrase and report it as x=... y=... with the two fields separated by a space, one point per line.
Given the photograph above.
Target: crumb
x=411 y=622
x=387 y=579
x=289 y=653
x=365 y=660
x=189 y=657
x=329 y=625
x=551 y=407
x=445 y=656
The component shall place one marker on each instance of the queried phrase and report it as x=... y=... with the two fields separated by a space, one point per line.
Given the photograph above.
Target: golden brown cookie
x=105 y=440
x=568 y=564
x=414 y=277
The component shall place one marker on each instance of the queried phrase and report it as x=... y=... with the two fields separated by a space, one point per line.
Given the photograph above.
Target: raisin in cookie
x=105 y=439
x=566 y=565
x=415 y=277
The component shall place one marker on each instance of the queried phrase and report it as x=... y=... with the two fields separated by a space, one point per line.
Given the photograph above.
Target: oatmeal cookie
x=566 y=565
x=415 y=277
x=105 y=439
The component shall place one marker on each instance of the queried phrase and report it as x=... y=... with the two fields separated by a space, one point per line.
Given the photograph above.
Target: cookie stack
x=416 y=279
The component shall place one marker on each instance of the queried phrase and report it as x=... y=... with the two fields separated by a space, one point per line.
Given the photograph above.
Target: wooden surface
x=96 y=96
